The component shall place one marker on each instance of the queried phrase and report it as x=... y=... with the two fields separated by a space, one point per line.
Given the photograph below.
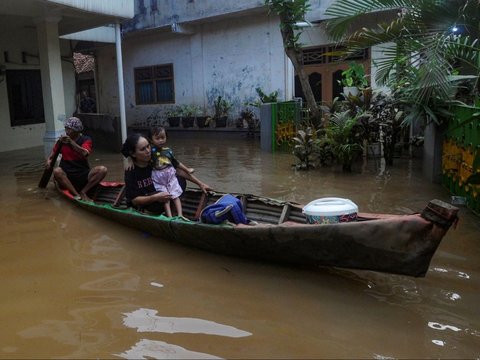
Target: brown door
x=324 y=73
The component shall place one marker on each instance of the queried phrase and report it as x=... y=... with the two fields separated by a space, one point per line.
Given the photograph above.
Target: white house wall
x=227 y=58
x=184 y=11
x=25 y=39
x=241 y=55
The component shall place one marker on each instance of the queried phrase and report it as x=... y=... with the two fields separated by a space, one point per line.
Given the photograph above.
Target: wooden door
x=324 y=71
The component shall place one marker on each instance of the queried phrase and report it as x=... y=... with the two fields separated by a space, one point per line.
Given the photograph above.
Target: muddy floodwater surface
x=74 y=285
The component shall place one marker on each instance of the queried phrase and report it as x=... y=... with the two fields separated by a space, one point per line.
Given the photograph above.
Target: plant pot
x=221 y=121
x=351 y=91
x=174 y=121
x=201 y=121
x=187 y=122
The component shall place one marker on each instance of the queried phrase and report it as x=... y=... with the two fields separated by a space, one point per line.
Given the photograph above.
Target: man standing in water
x=74 y=173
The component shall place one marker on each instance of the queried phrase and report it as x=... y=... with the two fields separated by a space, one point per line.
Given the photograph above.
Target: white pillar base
x=49 y=140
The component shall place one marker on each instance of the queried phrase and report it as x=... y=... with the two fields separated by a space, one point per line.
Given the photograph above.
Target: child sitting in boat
x=164 y=173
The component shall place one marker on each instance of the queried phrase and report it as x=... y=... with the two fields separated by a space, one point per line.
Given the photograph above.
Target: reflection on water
x=438 y=326
x=146 y=320
x=71 y=281
x=153 y=349
x=156 y=284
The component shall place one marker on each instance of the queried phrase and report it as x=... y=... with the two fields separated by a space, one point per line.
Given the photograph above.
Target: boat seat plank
x=243 y=200
x=285 y=213
x=120 y=197
x=201 y=206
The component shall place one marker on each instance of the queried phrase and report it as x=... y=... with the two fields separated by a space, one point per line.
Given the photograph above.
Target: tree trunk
x=295 y=56
x=315 y=114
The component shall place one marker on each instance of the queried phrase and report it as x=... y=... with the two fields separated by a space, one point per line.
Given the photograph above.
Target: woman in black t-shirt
x=140 y=191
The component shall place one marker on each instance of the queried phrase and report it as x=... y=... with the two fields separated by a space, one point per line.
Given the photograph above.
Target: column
x=52 y=79
x=121 y=88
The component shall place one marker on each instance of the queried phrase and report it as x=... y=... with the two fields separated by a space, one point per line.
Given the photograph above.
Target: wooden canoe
x=399 y=244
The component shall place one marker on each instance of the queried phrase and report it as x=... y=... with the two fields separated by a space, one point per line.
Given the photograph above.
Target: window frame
x=24 y=89
x=153 y=81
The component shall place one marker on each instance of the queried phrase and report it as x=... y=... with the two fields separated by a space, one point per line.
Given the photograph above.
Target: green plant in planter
x=267 y=98
x=173 y=115
x=264 y=98
x=250 y=121
x=343 y=131
x=172 y=112
x=354 y=76
x=188 y=115
x=221 y=108
x=304 y=148
x=323 y=148
x=202 y=117
x=249 y=118
x=189 y=110
x=247 y=114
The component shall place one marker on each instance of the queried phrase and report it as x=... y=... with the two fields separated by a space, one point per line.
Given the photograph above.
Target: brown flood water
x=74 y=285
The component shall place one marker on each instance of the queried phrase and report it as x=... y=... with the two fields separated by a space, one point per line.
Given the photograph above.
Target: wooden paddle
x=48 y=172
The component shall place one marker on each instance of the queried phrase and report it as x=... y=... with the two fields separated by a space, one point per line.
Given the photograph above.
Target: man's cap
x=74 y=123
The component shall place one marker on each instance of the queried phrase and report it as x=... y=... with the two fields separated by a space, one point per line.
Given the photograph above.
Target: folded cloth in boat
x=228 y=207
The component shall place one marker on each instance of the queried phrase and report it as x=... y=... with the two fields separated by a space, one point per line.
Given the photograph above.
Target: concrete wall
x=228 y=58
x=181 y=11
x=25 y=39
x=225 y=56
x=240 y=55
x=121 y=8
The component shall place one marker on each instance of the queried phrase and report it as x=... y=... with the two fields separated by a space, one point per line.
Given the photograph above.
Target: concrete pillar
x=266 y=135
x=121 y=86
x=432 y=153
x=52 y=79
x=289 y=79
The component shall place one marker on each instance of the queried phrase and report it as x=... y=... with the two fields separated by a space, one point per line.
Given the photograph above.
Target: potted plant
x=188 y=115
x=173 y=116
x=343 y=131
x=267 y=98
x=249 y=120
x=202 y=118
x=353 y=79
x=221 y=107
x=304 y=148
x=247 y=116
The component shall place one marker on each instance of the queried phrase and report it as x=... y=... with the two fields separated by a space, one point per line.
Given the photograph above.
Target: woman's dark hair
x=130 y=144
x=154 y=130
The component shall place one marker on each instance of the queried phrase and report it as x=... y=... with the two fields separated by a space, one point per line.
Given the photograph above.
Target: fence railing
x=460 y=149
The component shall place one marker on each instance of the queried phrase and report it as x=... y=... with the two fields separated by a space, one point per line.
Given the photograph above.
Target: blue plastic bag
x=228 y=207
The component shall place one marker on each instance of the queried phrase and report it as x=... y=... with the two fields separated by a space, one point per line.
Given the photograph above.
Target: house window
x=154 y=84
x=25 y=99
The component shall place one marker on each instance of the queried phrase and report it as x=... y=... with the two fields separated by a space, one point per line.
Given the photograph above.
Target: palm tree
x=435 y=40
